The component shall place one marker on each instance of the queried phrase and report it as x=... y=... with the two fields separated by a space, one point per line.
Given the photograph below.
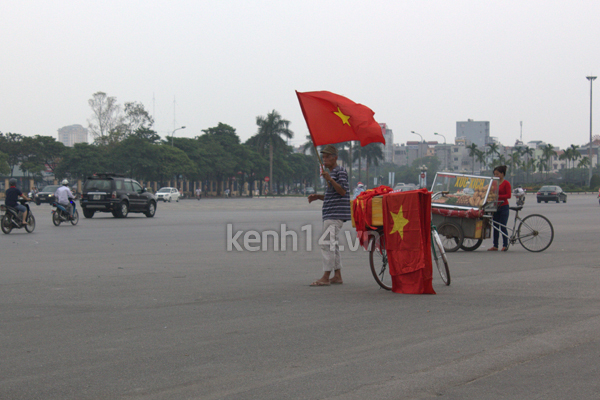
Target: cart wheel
x=452 y=236
x=471 y=244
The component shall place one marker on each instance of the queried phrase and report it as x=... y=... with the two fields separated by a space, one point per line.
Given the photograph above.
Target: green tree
x=373 y=153
x=81 y=161
x=271 y=128
x=528 y=153
x=4 y=168
x=472 y=153
x=547 y=153
x=480 y=155
x=309 y=146
x=11 y=144
x=493 y=148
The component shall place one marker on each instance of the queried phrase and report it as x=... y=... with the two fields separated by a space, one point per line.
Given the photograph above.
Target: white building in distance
x=69 y=135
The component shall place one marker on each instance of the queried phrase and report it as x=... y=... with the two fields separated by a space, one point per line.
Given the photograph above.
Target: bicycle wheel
x=438 y=255
x=451 y=235
x=471 y=244
x=535 y=233
x=379 y=262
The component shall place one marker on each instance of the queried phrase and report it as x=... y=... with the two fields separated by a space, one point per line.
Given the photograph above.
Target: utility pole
x=521 y=131
x=591 y=79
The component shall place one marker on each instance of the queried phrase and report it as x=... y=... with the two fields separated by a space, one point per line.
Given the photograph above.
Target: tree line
x=124 y=142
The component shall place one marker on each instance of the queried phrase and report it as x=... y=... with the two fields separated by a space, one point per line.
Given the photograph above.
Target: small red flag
x=332 y=118
x=407 y=226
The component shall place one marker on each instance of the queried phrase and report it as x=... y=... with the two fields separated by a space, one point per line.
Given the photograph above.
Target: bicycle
x=535 y=232
x=379 y=261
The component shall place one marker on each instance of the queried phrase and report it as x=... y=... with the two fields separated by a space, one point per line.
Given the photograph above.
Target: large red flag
x=332 y=118
x=407 y=226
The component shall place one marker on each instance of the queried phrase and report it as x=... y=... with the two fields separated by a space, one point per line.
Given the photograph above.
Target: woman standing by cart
x=501 y=215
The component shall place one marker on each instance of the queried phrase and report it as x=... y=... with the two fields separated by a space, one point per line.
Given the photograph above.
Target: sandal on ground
x=492 y=249
x=336 y=282
x=504 y=249
x=320 y=283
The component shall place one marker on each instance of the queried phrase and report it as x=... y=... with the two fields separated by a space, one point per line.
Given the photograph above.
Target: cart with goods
x=462 y=209
x=368 y=219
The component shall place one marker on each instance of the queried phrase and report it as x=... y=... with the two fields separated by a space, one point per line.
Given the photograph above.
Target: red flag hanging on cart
x=407 y=226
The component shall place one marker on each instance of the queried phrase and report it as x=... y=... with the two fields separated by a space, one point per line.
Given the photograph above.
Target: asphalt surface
x=157 y=308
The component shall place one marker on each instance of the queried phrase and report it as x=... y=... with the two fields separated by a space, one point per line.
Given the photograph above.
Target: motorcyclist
x=519 y=193
x=63 y=196
x=12 y=195
x=358 y=190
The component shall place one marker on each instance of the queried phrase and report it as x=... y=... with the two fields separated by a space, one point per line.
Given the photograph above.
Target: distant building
x=388 y=148
x=477 y=132
x=69 y=135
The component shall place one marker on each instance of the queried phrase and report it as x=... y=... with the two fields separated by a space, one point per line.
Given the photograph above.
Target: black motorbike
x=60 y=214
x=12 y=218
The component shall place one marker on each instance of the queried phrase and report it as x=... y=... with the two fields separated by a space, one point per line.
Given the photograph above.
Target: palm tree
x=493 y=149
x=575 y=154
x=515 y=161
x=373 y=153
x=271 y=128
x=584 y=163
x=360 y=153
x=527 y=151
x=310 y=147
x=472 y=153
x=548 y=152
x=480 y=155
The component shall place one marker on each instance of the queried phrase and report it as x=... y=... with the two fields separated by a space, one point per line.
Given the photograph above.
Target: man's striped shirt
x=334 y=205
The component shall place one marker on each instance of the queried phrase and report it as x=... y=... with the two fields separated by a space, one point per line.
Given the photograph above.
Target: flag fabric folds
x=332 y=118
x=407 y=226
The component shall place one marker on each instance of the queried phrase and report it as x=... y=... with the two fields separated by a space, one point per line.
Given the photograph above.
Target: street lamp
x=591 y=79
x=445 y=151
x=423 y=177
x=183 y=127
x=419 y=151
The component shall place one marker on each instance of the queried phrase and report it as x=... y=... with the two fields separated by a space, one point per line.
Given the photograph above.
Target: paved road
x=157 y=308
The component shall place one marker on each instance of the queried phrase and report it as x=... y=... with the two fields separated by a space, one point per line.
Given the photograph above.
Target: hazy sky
x=420 y=65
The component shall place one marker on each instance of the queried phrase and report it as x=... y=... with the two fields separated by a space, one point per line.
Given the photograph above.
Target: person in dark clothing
x=12 y=197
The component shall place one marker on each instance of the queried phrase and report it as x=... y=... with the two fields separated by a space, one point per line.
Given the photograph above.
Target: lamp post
x=591 y=79
x=445 y=151
x=183 y=127
x=423 y=177
x=419 y=150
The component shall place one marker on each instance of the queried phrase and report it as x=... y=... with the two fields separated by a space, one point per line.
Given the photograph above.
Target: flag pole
x=311 y=135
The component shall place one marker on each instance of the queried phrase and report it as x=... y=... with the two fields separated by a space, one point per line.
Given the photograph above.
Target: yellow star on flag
x=399 y=223
x=343 y=117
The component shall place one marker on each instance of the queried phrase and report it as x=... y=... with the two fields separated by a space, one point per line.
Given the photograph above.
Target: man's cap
x=330 y=149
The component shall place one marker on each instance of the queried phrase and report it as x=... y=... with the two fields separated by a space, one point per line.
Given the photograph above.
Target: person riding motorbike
x=519 y=193
x=358 y=190
x=63 y=196
x=12 y=195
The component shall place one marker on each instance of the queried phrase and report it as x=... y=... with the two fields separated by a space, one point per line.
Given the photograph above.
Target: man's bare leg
x=337 y=277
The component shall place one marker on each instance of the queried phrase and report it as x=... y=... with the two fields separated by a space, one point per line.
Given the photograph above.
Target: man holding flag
x=332 y=118
x=336 y=210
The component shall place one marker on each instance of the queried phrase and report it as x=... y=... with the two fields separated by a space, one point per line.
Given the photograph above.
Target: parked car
x=117 y=195
x=46 y=195
x=403 y=187
x=309 y=190
x=167 y=194
x=551 y=193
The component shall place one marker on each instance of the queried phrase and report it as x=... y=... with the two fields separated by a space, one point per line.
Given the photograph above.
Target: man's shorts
x=21 y=208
